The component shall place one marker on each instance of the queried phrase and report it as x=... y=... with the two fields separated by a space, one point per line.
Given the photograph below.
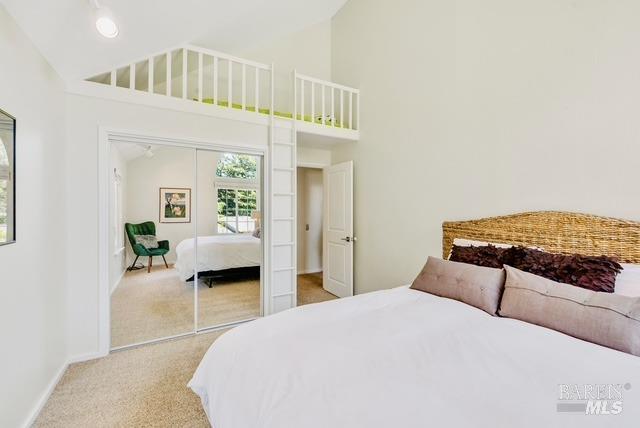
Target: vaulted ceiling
x=64 y=30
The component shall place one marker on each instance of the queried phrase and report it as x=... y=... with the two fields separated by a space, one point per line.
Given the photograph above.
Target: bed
x=218 y=253
x=405 y=358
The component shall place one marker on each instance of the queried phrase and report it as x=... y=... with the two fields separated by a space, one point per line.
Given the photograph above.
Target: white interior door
x=338 y=239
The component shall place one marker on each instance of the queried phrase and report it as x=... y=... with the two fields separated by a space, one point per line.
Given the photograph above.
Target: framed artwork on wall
x=175 y=205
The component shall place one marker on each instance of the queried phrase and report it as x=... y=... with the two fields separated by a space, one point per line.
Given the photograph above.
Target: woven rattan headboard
x=557 y=232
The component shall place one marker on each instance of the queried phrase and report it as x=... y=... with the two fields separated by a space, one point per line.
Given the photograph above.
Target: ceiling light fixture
x=105 y=23
x=148 y=153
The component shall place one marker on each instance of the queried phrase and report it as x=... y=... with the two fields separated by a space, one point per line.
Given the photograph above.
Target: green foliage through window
x=232 y=165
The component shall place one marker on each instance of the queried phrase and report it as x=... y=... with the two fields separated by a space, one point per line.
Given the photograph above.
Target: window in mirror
x=7 y=178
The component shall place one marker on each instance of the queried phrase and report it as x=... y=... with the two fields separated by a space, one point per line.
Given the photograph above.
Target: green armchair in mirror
x=138 y=234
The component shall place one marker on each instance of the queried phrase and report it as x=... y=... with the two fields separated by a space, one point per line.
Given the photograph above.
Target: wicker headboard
x=558 y=232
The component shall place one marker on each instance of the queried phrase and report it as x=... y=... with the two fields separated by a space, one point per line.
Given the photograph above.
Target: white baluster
x=257 y=89
x=341 y=108
x=169 y=74
x=313 y=102
x=185 y=73
x=244 y=87
x=350 y=109
x=132 y=76
x=333 y=110
x=358 y=111
x=230 y=82
x=200 y=76
x=215 y=80
x=323 y=105
x=302 y=85
x=150 y=74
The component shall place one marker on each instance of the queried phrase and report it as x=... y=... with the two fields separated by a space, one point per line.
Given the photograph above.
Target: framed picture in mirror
x=7 y=178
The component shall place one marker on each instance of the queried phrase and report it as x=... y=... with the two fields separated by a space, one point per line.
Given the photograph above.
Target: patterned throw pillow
x=597 y=273
x=147 y=241
x=485 y=255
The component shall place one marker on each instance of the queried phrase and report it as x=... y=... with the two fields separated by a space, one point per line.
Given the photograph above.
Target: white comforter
x=403 y=358
x=217 y=252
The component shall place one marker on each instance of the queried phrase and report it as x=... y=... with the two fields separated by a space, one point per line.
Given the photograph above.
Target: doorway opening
x=310 y=212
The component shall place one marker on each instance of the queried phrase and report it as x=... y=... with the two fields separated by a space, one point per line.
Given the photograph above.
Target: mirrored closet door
x=152 y=268
x=229 y=200
x=185 y=240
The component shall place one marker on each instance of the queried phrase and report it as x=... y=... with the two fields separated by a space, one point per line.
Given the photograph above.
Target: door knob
x=349 y=239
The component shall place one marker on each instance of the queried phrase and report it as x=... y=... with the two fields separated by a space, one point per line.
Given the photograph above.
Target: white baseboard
x=35 y=412
x=113 y=288
x=316 y=270
x=86 y=357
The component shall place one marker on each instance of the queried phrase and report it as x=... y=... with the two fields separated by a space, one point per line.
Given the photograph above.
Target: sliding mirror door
x=151 y=240
x=229 y=248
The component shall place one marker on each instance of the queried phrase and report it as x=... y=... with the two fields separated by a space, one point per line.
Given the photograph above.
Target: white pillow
x=461 y=242
x=628 y=281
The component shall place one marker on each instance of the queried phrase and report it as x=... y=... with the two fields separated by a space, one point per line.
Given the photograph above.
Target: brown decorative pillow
x=590 y=272
x=474 y=285
x=486 y=255
x=606 y=319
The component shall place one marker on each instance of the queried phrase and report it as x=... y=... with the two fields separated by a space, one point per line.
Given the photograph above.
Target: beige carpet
x=310 y=289
x=141 y=387
x=148 y=306
x=145 y=386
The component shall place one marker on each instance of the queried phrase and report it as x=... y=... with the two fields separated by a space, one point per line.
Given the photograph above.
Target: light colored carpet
x=141 y=387
x=310 y=289
x=145 y=386
x=148 y=306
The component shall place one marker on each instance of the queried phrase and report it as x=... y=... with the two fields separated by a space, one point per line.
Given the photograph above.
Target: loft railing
x=211 y=77
x=206 y=76
x=326 y=103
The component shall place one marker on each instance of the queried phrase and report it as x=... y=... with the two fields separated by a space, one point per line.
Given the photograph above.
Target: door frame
x=107 y=136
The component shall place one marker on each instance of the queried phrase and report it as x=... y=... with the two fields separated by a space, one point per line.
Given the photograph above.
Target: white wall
x=309 y=212
x=308 y=51
x=84 y=116
x=169 y=167
x=32 y=288
x=472 y=109
x=313 y=157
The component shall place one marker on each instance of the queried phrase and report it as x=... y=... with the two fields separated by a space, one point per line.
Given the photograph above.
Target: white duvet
x=403 y=358
x=217 y=252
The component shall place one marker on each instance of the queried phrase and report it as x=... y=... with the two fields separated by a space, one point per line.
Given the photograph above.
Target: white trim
x=44 y=397
x=107 y=136
x=126 y=95
x=118 y=251
x=117 y=283
x=312 y=270
x=328 y=131
x=315 y=165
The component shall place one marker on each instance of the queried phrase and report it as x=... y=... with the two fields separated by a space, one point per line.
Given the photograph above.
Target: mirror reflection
x=7 y=178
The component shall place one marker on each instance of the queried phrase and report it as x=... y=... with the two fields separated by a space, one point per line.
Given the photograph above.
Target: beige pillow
x=607 y=319
x=474 y=285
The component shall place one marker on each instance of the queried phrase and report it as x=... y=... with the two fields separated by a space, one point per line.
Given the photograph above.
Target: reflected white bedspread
x=217 y=252
x=402 y=358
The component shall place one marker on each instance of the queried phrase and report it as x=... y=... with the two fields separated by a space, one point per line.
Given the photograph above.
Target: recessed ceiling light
x=105 y=23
